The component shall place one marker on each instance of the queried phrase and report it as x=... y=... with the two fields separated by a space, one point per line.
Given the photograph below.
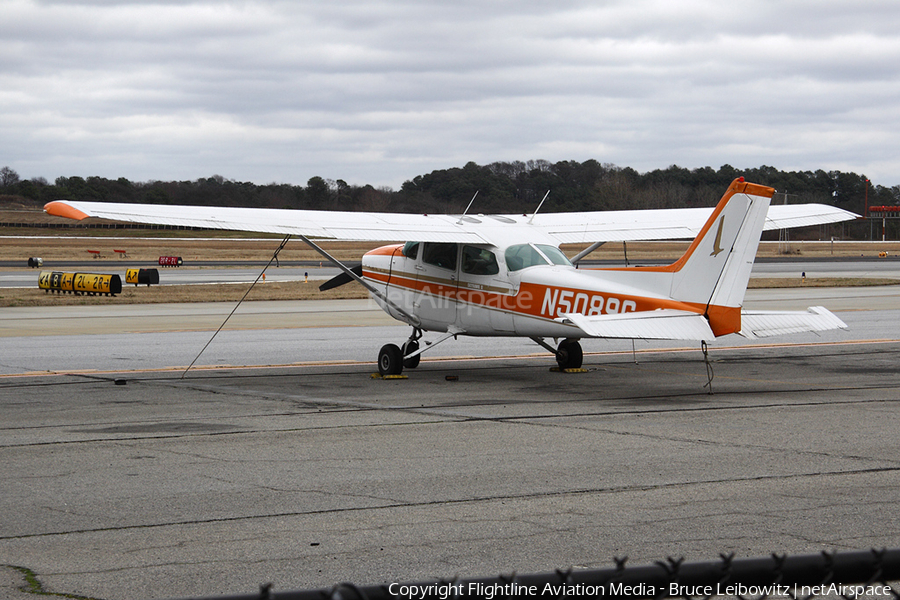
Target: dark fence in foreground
x=851 y=575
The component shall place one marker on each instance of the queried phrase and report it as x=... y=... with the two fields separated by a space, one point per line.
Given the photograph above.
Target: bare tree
x=8 y=177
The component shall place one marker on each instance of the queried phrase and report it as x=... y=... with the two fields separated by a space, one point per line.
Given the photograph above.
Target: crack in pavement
x=460 y=501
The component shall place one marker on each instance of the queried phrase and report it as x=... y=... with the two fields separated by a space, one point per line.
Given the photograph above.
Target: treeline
x=503 y=187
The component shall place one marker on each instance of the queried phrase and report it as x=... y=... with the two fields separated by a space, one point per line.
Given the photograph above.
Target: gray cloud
x=378 y=92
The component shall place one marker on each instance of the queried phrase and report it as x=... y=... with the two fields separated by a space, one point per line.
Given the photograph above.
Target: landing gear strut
x=411 y=345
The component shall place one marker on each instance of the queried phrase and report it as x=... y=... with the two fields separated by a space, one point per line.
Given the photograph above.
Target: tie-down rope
x=258 y=277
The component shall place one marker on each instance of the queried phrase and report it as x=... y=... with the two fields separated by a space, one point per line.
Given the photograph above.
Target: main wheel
x=569 y=355
x=408 y=348
x=390 y=360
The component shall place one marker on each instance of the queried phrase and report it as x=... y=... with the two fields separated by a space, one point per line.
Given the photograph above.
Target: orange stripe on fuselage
x=550 y=302
x=538 y=300
x=411 y=282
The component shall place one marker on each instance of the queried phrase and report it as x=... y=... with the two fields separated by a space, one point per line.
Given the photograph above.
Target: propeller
x=341 y=279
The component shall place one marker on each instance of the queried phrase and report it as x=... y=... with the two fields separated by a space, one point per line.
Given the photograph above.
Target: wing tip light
x=60 y=208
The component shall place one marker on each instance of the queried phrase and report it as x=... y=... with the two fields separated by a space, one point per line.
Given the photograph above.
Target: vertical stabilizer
x=712 y=275
x=715 y=270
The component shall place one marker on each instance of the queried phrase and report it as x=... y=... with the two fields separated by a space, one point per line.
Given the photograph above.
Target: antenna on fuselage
x=467 y=208
x=538 y=208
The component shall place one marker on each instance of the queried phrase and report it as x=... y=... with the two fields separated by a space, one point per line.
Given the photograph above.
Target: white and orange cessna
x=504 y=275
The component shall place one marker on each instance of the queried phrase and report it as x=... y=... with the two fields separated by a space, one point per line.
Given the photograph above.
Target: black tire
x=569 y=355
x=409 y=347
x=390 y=360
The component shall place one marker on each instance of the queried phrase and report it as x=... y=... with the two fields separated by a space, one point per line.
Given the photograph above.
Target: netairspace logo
x=490 y=591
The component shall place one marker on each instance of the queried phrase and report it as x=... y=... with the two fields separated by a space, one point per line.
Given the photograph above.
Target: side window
x=411 y=250
x=478 y=261
x=440 y=255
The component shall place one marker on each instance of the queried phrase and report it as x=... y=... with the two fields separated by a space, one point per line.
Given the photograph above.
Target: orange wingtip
x=58 y=208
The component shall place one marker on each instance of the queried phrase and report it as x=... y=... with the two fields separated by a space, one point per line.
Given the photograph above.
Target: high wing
x=671 y=223
x=572 y=227
x=336 y=225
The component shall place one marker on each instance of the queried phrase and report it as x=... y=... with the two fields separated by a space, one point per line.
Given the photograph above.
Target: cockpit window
x=411 y=250
x=478 y=261
x=522 y=256
x=555 y=255
x=530 y=255
x=440 y=255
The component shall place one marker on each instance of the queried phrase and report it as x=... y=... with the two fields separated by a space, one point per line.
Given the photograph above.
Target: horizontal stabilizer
x=788 y=216
x=665 y=324
x=761 y=324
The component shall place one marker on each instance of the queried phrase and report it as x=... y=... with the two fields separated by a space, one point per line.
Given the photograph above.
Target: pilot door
x=437 y=272
x=486 y=296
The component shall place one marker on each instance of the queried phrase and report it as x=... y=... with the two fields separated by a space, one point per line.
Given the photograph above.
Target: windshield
x=555 y=255
x=522 y=256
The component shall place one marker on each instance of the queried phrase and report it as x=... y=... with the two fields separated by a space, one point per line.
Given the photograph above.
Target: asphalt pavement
x=125 y=478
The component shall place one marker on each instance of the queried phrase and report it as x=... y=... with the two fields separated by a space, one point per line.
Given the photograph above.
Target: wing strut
x=586 y=251
x=411 y=319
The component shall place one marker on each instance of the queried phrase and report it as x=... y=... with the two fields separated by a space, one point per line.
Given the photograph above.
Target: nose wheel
x=391 y=359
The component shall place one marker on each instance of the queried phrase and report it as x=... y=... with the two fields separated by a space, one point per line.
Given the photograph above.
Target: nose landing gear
x=392 y=359
x=408 y=348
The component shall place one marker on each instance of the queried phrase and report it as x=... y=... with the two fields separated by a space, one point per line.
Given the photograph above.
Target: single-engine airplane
x=505 y=275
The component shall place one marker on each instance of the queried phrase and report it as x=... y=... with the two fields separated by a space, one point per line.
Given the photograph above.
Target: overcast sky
x=381 y=91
